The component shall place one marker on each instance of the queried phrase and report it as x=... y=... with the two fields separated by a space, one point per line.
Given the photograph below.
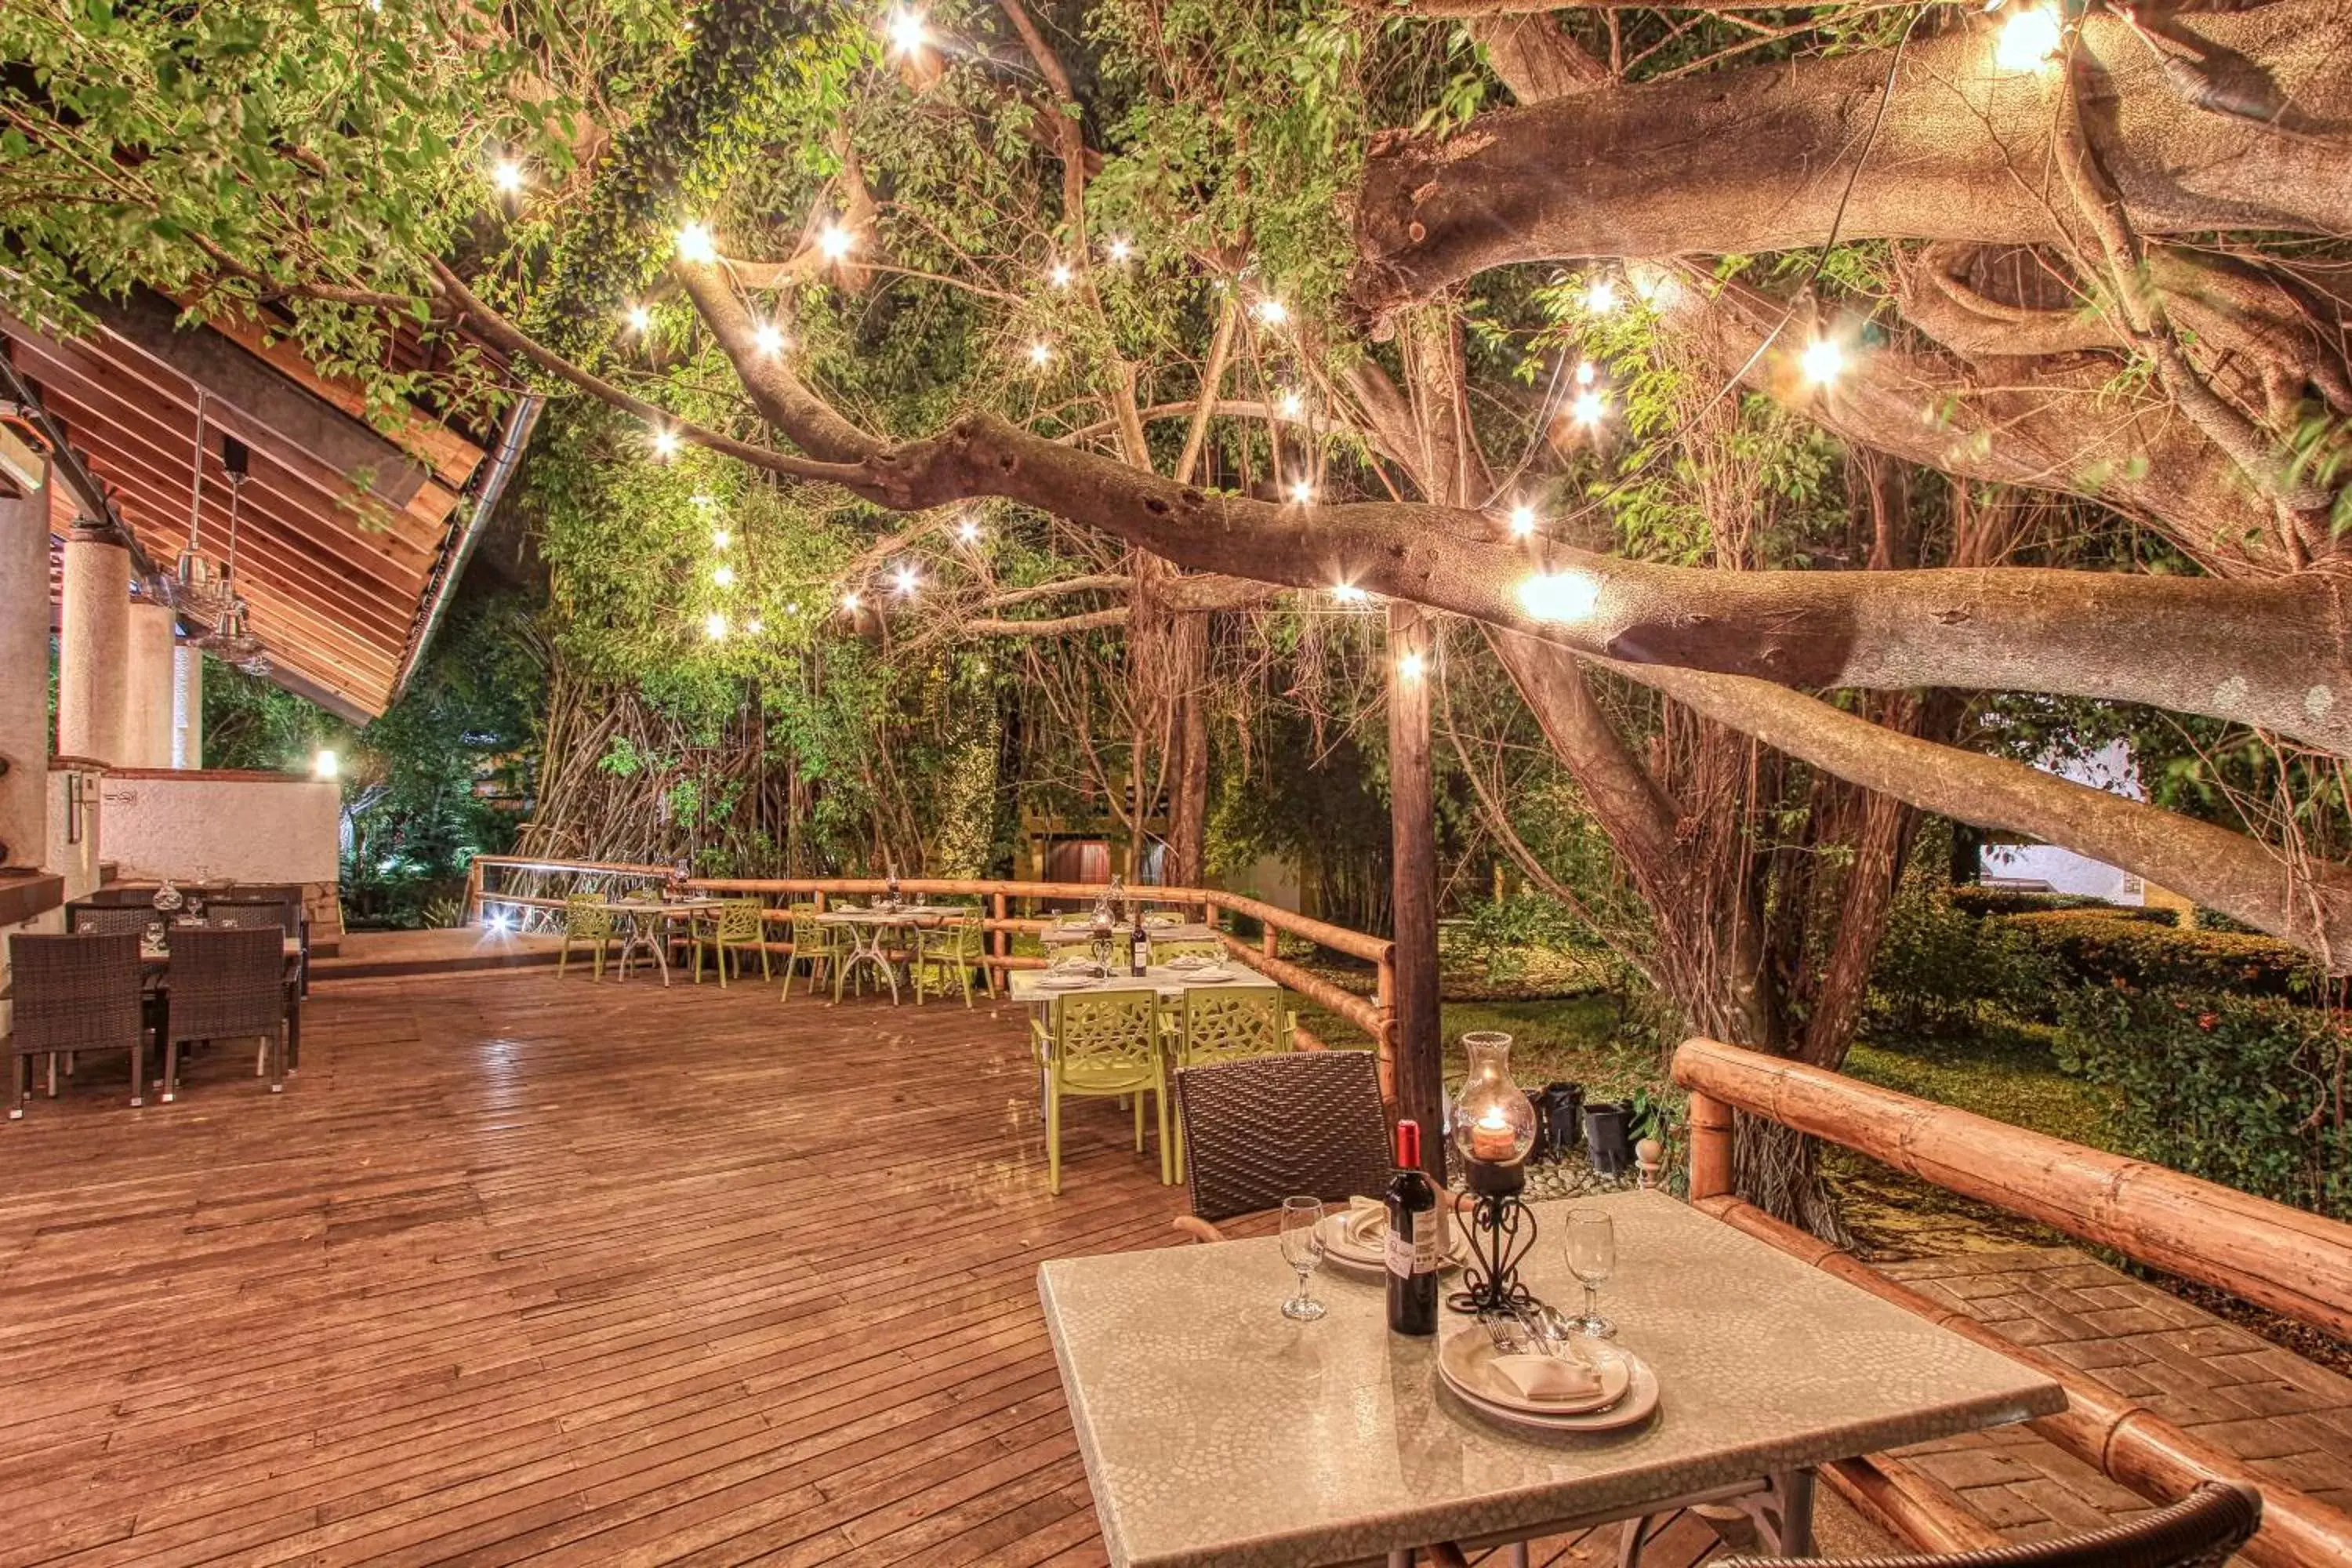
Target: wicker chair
x=1266 y=1128
x=225 y=986
x=100 y=920
x=2201 y=1530
x=737 y=923
x=74 y=995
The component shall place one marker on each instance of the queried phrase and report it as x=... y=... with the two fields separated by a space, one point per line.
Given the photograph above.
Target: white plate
x=1641 y=1400
x=1210 y=976
x=1371 y=1256
x=1468 y=1361
x=1186 y=963
x=1066 y=981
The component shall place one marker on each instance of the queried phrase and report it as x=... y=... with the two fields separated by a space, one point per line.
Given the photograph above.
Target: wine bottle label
x=1417 y=1255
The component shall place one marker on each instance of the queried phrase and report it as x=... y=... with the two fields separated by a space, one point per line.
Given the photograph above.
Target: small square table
x=1218 y=1434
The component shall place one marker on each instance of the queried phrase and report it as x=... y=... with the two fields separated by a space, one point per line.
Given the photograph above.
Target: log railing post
x=996 y=903
x=474 y=892
x=1269 y=942
x=1710 y=1147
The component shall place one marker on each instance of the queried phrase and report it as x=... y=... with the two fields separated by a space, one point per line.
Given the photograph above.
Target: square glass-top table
x=1217 y=1434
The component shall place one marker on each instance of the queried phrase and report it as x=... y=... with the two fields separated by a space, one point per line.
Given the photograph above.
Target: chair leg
x=697 y=944
x=1166 y=1154
x=171 y=1071
x=274 y=1046
x=718 y=962
x=1053 y=1137
x=20 y=1085
x=1139 y=1124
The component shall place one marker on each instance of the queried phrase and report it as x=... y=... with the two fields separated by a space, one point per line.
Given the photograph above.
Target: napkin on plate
x=1368 y=1218
x=1548 y=1376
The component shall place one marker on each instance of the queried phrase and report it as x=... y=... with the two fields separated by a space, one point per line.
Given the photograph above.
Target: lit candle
x=1491 y=1138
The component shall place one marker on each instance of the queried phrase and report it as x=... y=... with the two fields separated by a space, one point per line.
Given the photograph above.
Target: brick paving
x=2289 y=1417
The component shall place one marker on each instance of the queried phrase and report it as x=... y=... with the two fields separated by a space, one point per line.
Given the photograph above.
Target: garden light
x=1560 y=595
x=1822 y=361
x=695 y=244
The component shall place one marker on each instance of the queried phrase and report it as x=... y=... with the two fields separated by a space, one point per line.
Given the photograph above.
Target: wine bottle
x=1135 y=954
x=1417 y=1235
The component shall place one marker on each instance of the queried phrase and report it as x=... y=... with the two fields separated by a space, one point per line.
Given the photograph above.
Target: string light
x=326 y=764
x=1302 y=491
x=723 y=575
x=755 y=626
x=1600 y=296
x=968 y=531
x=1041 y=353
x=769 y=338
x=696 y=242
x=1348 y=594
x=705 y=500
x=665 y=443
x=1119 y=250
x=833 y=242
x=507 y=177
x=720 y=539
x=1060 y=276
x=849 y=603
x=1585 y=372
x=1523 y=519
x=714 y=625
x=1822 y=361
x=1560 y=595
x=1588 y=407
x=2029 y=39
x=639 y=318
x=1290 y=405
x=794 y=607
x=1271 y=311
x=906 y=581
x=907 y=34
x=1412 y=667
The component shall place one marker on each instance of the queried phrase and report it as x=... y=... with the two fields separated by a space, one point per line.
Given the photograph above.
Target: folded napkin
x=1548 y=1376
x=1367 y=1218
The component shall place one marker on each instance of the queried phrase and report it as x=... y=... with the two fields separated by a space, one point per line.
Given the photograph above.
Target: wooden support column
x=1420 y=1051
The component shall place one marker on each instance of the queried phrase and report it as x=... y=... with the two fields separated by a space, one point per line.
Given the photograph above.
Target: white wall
x=210 y=827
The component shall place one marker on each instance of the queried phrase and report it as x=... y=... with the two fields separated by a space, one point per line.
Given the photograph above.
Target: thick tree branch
x=1757 y=159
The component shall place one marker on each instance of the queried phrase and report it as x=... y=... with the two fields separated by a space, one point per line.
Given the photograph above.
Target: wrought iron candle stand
x=1501 y=1231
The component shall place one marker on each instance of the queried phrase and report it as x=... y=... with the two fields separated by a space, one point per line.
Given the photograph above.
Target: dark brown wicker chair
x=101 y=918
x=1268 y=1128
x=2201 y=1530
x=73 y=995
x=225 y=985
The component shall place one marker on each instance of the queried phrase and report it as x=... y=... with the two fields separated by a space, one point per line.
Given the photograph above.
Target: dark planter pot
x=1563 y=1113
x=1609 y=1137
x=1543 y=1148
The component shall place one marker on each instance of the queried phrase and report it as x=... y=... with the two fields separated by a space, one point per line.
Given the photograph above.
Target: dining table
x=869 y=929
x=645 y=922
x=1217 y=1433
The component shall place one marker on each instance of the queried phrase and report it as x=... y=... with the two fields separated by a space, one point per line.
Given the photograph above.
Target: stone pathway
x=2287 y=1416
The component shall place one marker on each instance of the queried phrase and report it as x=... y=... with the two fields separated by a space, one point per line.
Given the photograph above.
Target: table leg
x=1784 y=1511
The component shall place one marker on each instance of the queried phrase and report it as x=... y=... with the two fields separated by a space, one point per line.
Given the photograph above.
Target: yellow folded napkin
x=1548 y=1376
x=1367 y=1217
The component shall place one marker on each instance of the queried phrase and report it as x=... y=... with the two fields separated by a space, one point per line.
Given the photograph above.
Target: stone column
x=188 y=706
x=148 y=692
x=93 y=650
x=24 y=679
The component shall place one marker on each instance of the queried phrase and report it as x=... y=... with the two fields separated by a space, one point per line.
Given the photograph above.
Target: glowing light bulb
x=714 y=625
x=1822 y=361
x=1588 y=407
x=507 y=175
x=1585 y=372
x=665 y=443
x=696 y=242
x=769 y=338
x=1041 y=353
x=1348 y=594
x=849 y=602
x=794 y=608
x=704 y=499
x=833 y=242
x=501 y=922
x=906 y=581
x=1060 y=275
x=1600 y=296
x=1302 y=491
x=1523 y=519
x=2028 y=40
x=968 y=531
x=1119 y=250
x=755 y=626
x=1412 y=667
x=720 y=539
x=723 y=575
x=907 y=34
x=639 y=318
x=326 y=764
x=1560 y=595
x=1270 y=311
x=1290 y=405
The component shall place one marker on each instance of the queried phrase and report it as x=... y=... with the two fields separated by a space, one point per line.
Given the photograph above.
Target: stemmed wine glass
x=1302 y=1249
x=1591 y=1242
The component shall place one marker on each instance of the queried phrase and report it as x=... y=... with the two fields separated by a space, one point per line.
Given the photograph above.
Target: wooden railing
x=2297 y=1263
x=1373 y=1017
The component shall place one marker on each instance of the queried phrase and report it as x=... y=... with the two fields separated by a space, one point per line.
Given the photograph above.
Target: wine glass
x=1591 y=1242
x=1302 y=1249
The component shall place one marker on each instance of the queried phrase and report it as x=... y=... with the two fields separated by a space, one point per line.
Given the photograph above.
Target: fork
x=1502 y=1328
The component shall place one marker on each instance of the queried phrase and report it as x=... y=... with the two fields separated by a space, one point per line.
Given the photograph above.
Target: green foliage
x=1980 y=901
x=1943 y=971
x=2244 y=1092
x=2103 y=950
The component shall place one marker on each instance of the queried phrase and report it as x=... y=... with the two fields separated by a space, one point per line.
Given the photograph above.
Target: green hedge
x=1938 y=968
x=1971 y=899
x=2103 y=950
x=2246 y=1091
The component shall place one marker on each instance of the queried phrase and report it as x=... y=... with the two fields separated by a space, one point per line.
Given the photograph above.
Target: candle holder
x=1494 y=1128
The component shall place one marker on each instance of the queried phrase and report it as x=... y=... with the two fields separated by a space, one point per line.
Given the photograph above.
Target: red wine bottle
x=1416 y=1233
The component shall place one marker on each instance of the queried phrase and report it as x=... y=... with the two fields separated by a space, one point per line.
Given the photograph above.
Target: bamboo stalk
x=2286 y=1258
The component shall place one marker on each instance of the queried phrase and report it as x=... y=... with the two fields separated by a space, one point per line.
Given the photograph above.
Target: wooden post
x=1412 y=828
x=1004 y=937
x=474 y=892
x=1269 y=942
x=1710 y=1147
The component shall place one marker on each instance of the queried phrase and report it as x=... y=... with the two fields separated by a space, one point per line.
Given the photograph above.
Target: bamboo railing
x=2297 y=1263
x=1373 y=1017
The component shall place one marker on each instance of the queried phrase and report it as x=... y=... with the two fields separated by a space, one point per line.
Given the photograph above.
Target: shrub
x=2102 y=951
x=1971 y=899
x=1938 y=968
x=2242 y=1091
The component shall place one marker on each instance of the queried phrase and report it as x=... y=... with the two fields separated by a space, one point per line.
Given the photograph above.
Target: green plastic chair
x=585 y=919
x=1225 y=1027
x=740 y=923
x=951 y=950
x=811 y=945
x=1099 y=1046
x=1210 y=947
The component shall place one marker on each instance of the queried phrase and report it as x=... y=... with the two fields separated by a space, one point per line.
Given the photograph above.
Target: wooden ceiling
x=341 y=529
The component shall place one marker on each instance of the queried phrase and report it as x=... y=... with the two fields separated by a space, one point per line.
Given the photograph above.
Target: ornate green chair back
x=585 y=917
x=957 y=941
x=1107 y=1041
x=1162 y=952
x=1224 y=1026
x=738 y=920
x=808 y=937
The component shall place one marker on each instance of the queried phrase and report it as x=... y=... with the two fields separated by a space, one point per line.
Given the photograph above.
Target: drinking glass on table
x=1302 y=1249
x=1591 y=1242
